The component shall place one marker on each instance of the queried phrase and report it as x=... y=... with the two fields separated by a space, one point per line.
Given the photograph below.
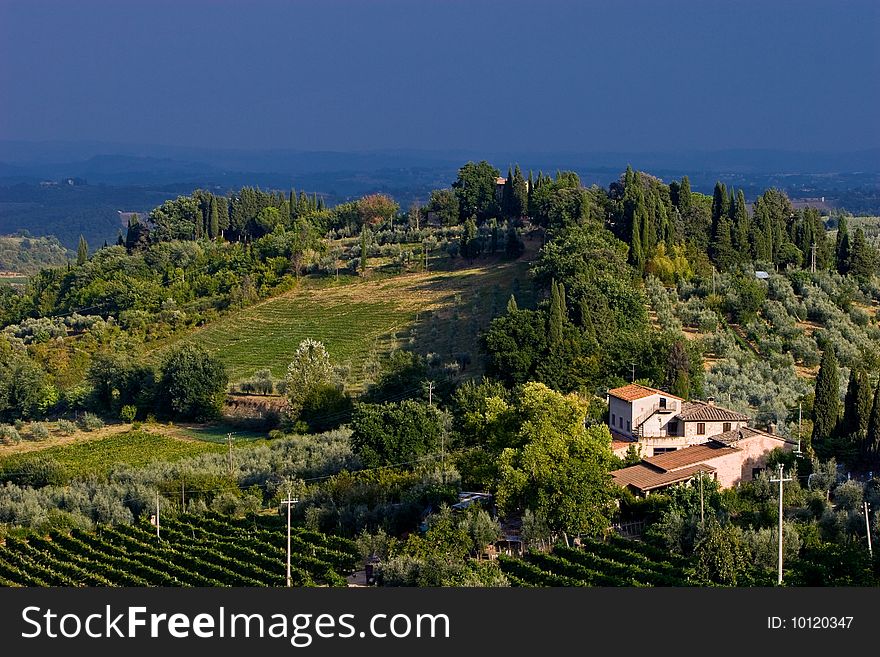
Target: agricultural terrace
x=206 y=550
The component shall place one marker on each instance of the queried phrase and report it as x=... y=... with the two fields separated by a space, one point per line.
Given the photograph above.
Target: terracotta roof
x=645 y=477
x=698 y=411
x=681 y=458
x=635 y=391
x=735 y=435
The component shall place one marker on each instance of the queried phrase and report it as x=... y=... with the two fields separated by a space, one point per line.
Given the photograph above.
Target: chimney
x=710 y=401
x=771 y=428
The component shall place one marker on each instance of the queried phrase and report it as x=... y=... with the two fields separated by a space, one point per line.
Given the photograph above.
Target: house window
x=756 y=472
x=701 y=428
x=663 y=450
x=620 y=421
x=628 y=428
x=613 y=419
x=663 y=402
x=726 y=427
x=672 y=428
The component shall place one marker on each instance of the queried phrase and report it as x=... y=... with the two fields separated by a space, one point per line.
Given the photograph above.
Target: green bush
x=9 y=435
x=128 y=413
x=66 y=427
x=90 y=422
x=39 y=431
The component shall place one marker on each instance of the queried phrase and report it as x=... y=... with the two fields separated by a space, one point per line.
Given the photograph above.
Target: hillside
x=27 y=255
x=439 y=312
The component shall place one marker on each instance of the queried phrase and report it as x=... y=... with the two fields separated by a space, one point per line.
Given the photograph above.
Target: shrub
x=66 y=427
x=9 y=435
x=39 y=431
x=128 y=413
x=90 y=422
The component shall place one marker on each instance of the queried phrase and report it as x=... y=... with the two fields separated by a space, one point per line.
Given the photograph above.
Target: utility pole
x=868 y=530
x=425 y=251
x=289 y=501
x=713 y=281
x=800 y=419
x=182 y=495
x=229 y=452
x=813 y=258
x=633 y=366
x=430 y=393
x=157 y=515
x=781 y=480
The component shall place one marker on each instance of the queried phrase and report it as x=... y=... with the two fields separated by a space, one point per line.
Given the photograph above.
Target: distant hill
x=27 y=255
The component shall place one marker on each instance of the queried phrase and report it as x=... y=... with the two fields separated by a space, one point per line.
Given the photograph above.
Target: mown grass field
x=439 y=311
x=100 y=455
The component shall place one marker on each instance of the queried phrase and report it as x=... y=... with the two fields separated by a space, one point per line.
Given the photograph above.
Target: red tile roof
x=645 y=478
x=635 y=391
x=687 y=456
x=693 y=411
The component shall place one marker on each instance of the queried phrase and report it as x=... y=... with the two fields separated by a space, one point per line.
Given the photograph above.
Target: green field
x=13 y=280
x=439 y=311
x=98 y=456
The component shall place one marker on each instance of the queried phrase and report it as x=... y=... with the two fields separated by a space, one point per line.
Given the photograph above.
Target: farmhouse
x=730 y=457
x=657 y=422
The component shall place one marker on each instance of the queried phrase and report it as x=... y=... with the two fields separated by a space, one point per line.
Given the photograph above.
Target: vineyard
x=209 y=550
x=615 y=562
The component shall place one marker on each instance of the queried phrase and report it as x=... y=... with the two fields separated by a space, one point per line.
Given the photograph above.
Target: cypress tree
x=507 y=195
x=741 y=224
x=862 y=257
x=636 y=255
x=856 y=405
x=214 y=222
x=719 y=203
x=684 y=195
x=82 y=251
x=557 y=315
x=586 y=322
x=291 y=206
x=722 y=249
x=871 y=444
x=842 y=246
x=511 y=305
x=520 y=194
x=826 y=405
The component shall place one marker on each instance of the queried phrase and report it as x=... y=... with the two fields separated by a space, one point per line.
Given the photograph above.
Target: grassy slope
x=97 y=456
x=440 y=311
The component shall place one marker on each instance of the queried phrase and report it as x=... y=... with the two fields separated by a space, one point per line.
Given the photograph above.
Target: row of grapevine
x=192 y=551
x=616 y=562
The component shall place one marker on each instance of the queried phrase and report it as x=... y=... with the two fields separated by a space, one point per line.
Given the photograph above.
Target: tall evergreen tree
x=741 y=224
x=511 y=305
x=214 y=222
x=826 y=404
x=856 y=405
x=507 y=195
x=556 y=318
x=842 y=246
x=870 y=451
x=722 y=248
x=292 y=206
x=684 y=195
x=82 y=251
x=719 y=202
x=862 y=260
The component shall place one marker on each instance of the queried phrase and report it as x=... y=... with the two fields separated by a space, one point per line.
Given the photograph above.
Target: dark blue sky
x=526 y=76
